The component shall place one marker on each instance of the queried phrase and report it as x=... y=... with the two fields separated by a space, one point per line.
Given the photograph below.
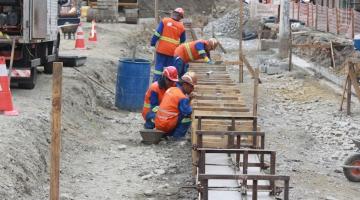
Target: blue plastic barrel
x=133 y=78
x=357 y=42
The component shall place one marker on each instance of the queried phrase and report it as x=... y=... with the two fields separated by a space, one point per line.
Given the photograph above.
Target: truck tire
x=353 y=174
x=29 y=85
x=48 y=67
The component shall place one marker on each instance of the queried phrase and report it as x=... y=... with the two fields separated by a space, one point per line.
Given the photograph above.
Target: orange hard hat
x=189 y=77
x=171 y=73
x=180 y=11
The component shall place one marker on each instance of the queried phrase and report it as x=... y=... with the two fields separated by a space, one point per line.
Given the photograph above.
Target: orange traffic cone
x=93 y=37
x=6 y=104
x=80 y=38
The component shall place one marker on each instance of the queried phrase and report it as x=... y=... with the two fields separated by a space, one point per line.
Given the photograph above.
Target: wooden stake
x=56 y=131
x=256 y=86
x=353 y=23
x=290 y=48
x=332 y=54
x=337 y=21
x=344 y=91
x=241 y=66
x=348 y=100
x=316 y=16
x=327 y=19
x=156 y=11
x=298 y=11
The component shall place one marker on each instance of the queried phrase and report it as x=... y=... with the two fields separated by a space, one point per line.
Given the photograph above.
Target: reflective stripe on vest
x=157 y=34
x=168 y=114
x=155 y=109
x=170 y=40
x=146 y=105
x=157 y=72
x=187 y=47
x=185 y=120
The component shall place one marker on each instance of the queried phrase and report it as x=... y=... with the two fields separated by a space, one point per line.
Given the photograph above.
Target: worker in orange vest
x=169 y=34
x=155 y=94
x=173 y=116
x=190 y=51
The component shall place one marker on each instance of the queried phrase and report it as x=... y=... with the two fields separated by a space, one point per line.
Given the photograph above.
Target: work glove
x=208 y=61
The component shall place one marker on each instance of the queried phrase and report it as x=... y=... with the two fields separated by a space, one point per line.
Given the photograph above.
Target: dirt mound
x=191 y=7
x=343 y=48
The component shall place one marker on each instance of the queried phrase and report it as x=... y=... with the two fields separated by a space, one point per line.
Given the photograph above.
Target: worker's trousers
x=181 y=66
x=162 y=61
x=181 y=128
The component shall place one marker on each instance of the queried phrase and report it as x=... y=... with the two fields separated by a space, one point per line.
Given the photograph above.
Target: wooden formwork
x=222 y=123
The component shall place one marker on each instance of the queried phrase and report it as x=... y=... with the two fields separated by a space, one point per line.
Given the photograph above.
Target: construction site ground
x=102 y=155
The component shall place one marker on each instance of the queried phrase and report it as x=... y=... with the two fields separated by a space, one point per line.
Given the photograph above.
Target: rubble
x=228 y=25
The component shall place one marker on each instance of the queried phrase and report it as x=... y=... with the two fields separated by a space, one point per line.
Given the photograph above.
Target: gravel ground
x=102 y=154
x=312 y=138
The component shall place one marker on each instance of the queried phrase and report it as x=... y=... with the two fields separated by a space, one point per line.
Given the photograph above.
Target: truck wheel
x=48 y=68
x=32 y=81
x=352 y=174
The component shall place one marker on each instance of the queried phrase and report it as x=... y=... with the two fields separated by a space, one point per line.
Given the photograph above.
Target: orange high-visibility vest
x=153 y=88
x=170 y=37
x=187 y=51
x=168 y=113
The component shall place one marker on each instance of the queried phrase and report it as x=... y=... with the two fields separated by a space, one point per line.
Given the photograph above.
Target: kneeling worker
x=155 y=94
x=173 y=116
x=191 y=51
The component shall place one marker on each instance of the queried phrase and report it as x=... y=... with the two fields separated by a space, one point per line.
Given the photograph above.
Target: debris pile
x=322 y=55
x=228 y=25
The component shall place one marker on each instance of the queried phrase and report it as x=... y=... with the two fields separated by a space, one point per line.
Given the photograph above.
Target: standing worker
x=155 y=94
x=191 y=51
x=169 y=34
x=173 y=116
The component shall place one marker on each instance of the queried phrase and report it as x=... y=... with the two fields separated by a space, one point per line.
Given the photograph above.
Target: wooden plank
x=227 y=103
x=56 y=131
x=201 y=113
x=210 y=97
x=209 y=108
x=256 y=86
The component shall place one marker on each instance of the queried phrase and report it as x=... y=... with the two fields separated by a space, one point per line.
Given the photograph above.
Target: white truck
x=32 y=24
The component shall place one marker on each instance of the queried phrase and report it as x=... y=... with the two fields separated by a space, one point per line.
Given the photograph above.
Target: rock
x=148 y=193
x=159 y=171
x=147 y=177
x=122 y=147
x=143 y=173
x=164 y=186
x=273 y=70
x=338 y=171
x=330 y=198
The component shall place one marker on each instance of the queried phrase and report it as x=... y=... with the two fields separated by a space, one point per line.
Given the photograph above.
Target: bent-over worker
x=173 y=116
x=169 y=34
x=191 y=51
x=155 y=94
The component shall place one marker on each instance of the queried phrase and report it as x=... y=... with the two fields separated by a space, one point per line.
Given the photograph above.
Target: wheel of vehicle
x=32 y=82
x=353 y=174
x=48 y=68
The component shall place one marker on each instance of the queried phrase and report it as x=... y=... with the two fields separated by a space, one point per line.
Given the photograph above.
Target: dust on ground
x=102 y=156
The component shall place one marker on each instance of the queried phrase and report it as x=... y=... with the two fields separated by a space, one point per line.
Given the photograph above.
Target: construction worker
x=187 y=52
x=173 y=116
x=169 y=34
x=155 y=94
